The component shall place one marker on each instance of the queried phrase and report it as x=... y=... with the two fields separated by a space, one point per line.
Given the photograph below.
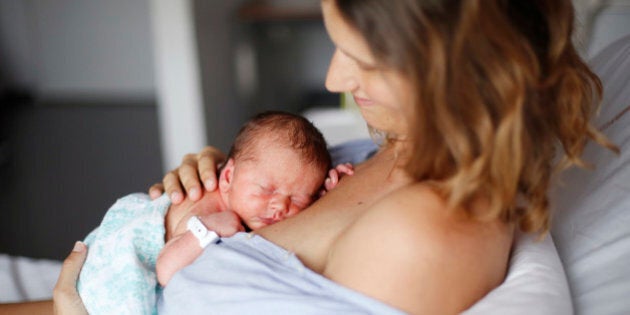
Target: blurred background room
x=99 y=98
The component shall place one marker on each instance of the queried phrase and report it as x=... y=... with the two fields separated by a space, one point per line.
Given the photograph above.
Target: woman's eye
x=367 y=67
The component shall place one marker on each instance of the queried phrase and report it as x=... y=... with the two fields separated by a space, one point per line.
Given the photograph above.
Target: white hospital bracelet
x=200 y=231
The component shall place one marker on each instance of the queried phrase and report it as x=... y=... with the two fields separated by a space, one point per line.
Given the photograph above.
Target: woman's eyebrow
x=355 y=58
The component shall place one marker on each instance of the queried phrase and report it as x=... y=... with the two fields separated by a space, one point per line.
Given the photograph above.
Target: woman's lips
x=362 y=101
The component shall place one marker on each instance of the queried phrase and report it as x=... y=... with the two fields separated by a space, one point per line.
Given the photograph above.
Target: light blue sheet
x=246 y=274
x=355 y=151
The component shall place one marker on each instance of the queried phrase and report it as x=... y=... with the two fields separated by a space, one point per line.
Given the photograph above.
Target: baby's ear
x=225 y=178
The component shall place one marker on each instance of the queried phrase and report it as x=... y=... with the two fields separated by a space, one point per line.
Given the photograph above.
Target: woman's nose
x=341 y=75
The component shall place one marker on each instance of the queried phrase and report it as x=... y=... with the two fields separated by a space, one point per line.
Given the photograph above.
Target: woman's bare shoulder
x=410 y=252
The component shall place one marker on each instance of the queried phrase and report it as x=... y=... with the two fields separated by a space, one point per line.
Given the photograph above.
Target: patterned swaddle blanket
x=119 y=274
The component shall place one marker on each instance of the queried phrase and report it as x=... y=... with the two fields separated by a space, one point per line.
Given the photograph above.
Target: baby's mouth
x=267 y=221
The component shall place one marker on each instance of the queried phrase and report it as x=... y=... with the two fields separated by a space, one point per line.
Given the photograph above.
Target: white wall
x=16 y=55
x=216 y=39
x=95 y=50
x=87 y=48
x=179 y=97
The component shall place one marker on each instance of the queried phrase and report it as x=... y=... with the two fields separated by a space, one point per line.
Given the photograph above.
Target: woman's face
x=382 y=94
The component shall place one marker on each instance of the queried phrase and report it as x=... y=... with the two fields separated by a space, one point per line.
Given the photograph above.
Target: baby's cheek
x=257 y=202
x=294 y=210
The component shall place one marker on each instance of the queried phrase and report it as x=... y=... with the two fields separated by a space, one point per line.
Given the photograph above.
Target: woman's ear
x=225 y=178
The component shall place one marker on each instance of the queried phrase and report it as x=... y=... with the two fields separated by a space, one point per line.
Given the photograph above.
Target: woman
x=473 y=98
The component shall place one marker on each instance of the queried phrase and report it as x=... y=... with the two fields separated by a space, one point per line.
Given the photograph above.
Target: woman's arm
x=27 y=308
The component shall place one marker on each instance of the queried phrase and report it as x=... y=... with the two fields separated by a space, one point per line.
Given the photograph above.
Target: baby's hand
x=335 y=174
x=224 y=223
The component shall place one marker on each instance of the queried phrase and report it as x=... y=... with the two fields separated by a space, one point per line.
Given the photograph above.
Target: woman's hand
x=66 y=299
x=194 y=170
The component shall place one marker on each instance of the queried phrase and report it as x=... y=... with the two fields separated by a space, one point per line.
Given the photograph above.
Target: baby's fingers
x=345 y=168
x=332 y=180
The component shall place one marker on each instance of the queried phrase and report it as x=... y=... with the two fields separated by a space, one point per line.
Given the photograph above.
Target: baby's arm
x=179 y=252
x=184 y=248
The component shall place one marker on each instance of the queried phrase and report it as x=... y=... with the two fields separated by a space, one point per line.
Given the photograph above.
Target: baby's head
x=275 y=168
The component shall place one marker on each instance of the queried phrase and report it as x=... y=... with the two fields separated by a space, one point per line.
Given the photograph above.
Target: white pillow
x=535 y=283
x=591 y=225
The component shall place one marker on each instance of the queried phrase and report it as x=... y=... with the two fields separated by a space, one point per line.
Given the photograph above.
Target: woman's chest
x=312 y=233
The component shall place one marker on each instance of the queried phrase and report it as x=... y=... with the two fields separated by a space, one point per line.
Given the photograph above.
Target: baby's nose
x=280 y=206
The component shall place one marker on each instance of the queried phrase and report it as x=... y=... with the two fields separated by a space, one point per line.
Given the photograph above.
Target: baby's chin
x=255 y=225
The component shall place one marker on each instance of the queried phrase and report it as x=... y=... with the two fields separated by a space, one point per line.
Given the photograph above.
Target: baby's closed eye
x=265 y=190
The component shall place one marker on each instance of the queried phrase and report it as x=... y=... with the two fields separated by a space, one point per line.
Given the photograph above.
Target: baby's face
x=271 y=188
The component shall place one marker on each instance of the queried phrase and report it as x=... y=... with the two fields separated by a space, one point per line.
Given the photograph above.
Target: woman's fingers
x=156 y=190
x=66 y=300
x=173 y=187
x=71 y=268
x=189 y=177
x=208 y=161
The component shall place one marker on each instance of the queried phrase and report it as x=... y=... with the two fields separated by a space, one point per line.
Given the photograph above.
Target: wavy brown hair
x=500 y=87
